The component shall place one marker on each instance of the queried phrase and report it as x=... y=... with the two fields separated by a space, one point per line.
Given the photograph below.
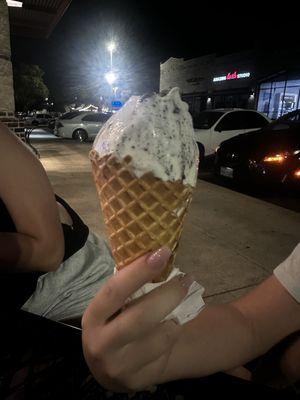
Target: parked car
x=291 y=116
x=269 y=155
x=214 y=126
x=80 y=125
x=39 y=119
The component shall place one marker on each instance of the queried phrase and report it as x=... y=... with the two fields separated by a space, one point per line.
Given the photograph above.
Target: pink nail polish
x=159 y=257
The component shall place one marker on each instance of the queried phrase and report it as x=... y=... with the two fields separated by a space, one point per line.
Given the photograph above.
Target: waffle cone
x=140 y=214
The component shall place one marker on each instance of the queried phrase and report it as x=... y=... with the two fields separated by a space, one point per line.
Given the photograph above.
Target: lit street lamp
x=111 y=77
x=111 y=47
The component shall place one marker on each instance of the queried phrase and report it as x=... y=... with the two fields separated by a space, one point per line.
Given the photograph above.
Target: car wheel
x=80 y=135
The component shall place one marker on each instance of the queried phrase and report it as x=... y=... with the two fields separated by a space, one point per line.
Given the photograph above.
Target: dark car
x=293 y=116
x=269 y=155
x=39 y=119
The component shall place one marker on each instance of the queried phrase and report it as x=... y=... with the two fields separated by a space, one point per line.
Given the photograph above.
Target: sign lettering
x=232 y=76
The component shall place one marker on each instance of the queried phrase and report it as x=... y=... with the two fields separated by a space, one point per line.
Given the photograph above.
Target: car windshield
x=70 y=115
x=206 y=119
x=292 y=116
x=282 y=126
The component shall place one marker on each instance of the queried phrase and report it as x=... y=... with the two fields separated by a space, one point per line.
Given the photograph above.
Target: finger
x=148 y=312
x=113 y=294
x=150 y=375
x=151 y=346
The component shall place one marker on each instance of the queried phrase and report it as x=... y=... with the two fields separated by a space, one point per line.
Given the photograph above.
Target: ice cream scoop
x=156 y=131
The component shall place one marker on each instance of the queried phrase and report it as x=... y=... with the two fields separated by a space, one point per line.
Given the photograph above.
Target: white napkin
x=190 y=306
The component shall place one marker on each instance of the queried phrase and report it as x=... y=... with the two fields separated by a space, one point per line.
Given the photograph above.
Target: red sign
x=230 y=76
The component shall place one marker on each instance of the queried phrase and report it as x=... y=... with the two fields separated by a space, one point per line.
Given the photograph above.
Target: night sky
x=75 y=55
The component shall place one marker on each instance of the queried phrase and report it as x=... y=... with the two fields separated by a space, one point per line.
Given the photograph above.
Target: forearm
x=23 y=253
x=225 y=336
x=219 y=339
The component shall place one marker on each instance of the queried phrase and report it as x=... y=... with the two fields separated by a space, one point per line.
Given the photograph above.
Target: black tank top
x=16 y=288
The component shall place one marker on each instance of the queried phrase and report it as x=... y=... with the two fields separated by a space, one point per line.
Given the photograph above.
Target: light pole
x=111 y=78
x=111 y=47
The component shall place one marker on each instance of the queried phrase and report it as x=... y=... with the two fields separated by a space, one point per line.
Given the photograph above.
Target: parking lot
x=232 y=239
x=282 y=196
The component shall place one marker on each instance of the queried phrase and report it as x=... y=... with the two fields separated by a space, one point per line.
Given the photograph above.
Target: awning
x=37 y=18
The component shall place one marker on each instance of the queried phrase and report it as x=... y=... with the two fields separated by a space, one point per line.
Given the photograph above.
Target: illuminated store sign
x=231 y=76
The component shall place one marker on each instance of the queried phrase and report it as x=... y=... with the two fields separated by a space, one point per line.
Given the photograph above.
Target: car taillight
x=276 y=158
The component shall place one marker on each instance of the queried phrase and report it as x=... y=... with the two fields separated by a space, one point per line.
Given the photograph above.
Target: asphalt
x=231 y=240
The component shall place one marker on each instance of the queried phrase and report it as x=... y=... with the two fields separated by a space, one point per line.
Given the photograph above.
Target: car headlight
x=276 y=158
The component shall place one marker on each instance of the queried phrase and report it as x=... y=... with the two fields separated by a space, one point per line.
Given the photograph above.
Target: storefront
x=279 y=95
x=212 y=81
x=233 y=89
x=256 y=79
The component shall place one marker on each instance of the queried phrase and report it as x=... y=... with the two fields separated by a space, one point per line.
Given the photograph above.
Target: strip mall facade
x=263 y=80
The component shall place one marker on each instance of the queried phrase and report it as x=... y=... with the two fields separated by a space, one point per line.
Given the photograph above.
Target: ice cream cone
x=141 y=214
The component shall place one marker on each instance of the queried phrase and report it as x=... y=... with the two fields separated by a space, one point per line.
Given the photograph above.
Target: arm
x=133 y=349
x=38 y=244
x=223 y=337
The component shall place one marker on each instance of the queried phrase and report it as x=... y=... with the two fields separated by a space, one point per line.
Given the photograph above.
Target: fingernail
x=186 y=280
x=159 y=257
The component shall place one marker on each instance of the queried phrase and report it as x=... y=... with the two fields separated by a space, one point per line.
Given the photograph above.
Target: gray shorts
x=66 y=292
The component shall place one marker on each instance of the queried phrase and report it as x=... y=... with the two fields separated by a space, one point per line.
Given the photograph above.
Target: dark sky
x=147 y=33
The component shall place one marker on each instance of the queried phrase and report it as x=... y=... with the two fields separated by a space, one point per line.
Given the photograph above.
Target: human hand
x=129 y=350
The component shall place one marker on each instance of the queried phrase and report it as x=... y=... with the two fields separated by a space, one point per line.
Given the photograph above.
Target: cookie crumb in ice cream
x=156 y=131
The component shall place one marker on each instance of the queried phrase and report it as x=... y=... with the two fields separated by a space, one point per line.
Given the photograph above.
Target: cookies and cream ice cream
x=156 y=131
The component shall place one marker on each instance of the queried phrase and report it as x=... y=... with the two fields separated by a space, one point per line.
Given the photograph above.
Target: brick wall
x=7 y=102
x=8 y=118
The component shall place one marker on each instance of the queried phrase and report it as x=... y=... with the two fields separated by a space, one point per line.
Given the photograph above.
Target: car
x=81 y=126
x=293 y=116
x=214 y=126
x=39 y=119
x=267 y=156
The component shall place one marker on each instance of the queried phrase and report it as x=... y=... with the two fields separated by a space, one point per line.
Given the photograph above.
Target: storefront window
x=279 y=97
x=266 y=85
x=197 y=103
x=231 y=101
x=280 y=85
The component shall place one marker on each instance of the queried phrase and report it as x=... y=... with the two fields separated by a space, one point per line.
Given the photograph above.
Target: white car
x=212 y=127
x=39 y=119
x=81 y=126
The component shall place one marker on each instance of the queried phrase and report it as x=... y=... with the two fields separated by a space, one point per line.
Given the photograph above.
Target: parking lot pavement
x=42 y=133
x=231 y=240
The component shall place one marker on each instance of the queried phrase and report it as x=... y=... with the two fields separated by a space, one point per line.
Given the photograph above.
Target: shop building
x=250 y=79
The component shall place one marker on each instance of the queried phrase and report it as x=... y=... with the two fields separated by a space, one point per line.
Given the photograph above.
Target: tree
x=30 y=88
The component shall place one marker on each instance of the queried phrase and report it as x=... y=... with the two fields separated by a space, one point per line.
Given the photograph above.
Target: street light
x=111 y=77
x=111 y=47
